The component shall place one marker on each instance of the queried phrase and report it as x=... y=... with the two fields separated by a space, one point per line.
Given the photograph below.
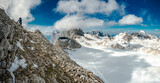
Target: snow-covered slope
x=135 y=41
x=119 y=66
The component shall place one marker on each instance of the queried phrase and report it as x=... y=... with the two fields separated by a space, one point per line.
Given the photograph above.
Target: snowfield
x=124 y=58
x=119 y=66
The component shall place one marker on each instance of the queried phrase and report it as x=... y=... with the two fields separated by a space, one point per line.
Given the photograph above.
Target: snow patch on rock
x=35 y=65
x=20 y=46
x=53 y=65
x=15 y=65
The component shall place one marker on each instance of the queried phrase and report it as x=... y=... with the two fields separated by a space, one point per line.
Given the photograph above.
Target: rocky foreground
x=28 y=57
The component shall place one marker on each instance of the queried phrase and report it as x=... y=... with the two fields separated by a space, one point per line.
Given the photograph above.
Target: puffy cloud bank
x=74 y=21
x=77 y=13
x=20 y=8
x=87 y=6
x=130 y=20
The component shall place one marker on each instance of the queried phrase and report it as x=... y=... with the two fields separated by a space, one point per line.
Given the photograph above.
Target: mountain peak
x=141 y=31
x=72 y=33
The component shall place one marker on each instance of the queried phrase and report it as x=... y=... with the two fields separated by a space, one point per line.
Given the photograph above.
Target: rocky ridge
x=28 y=57
x=98 y=33
x=134 y=41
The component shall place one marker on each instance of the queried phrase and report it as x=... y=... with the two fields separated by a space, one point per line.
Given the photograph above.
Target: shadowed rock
x=72 y=34
x=67 y=43
x=98 y=33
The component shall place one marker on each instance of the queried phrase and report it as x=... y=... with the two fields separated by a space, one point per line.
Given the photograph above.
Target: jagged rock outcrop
x=134 y=41
x=122 y=37
x=143 y=35
x=67 y=43
x=28 y=57
x=98 y=33
x=72 y=34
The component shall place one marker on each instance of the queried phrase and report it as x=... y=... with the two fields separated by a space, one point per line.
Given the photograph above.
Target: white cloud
x=87 y=6
x=111 y=23
x=130 y=20
x=20 y=8
x=77 y=21
x=77 y=12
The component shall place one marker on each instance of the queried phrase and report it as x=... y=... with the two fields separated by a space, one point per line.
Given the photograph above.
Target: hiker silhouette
x=20 y=21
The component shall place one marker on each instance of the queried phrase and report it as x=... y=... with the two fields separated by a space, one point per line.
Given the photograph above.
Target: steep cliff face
x=66 y=39
x=72 y=34
x=28 y=57
x=67 y=43
x=143 y=35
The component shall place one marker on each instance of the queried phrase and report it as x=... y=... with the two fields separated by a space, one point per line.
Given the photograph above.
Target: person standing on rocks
x=20 y=21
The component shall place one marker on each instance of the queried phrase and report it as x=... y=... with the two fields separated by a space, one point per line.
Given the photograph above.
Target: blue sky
x=111 y=16
x=44 y=14
x=148 y=9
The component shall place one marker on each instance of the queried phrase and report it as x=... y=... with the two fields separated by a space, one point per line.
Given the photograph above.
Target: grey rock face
x=1 y=35
x=98 y=33
x=28 y=57
x=69 y=34
x=67 y=43
x=116 y=45
x=126 y=37
x=141 y=36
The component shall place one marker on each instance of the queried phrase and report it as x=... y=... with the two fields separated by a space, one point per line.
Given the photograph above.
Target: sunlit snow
x=119 y=66
x=35 y=65
x=15 y=65
x=19 y=44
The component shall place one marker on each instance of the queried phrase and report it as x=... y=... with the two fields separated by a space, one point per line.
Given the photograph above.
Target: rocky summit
x=66 y=39
x=28 y=57
x=67 y=43
x=72 y=34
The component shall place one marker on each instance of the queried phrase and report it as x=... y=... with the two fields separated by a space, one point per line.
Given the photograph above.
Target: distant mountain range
x=134 y=41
